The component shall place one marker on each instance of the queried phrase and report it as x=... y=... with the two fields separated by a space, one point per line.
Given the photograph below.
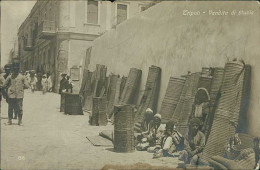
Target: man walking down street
x=16 y=83
x=32 y=80
x=44 y=84
x=7 y=68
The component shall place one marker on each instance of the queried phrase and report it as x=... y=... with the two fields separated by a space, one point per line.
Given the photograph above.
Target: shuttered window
x=92 y=12
x=121 y=13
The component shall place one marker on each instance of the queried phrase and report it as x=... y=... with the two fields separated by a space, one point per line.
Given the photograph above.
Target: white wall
x=77 y=51
x=164 y=37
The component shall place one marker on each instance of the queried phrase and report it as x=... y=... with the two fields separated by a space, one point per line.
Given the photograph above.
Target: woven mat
x=99 y=141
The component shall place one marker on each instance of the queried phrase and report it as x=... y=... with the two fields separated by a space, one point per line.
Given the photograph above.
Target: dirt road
x=51 y=140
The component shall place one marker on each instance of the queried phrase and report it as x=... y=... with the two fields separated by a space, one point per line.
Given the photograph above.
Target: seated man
x=170 y=142
x=194 y=143
x=154 y=132
x=166 y=142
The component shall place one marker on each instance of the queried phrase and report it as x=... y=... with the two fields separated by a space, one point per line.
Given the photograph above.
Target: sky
x=13 y=13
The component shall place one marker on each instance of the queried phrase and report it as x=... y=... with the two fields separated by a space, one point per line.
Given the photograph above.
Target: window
x=121 y=13
x=92 y=12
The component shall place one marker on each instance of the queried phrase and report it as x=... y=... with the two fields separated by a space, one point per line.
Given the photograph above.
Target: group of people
x=12 y=86
x=163 y=140
x=39 y=82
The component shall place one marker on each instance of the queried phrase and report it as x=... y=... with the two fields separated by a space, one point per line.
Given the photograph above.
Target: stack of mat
x=228 y=110
x=184 y=112
x=111 y=94
x=151 y=93
x=171 y=99
x=124 y=128
x=131 y=87
x=99 y=110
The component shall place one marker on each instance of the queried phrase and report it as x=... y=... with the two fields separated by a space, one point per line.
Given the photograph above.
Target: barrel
x=62 y=102
x=73 y=104
x=124 y=128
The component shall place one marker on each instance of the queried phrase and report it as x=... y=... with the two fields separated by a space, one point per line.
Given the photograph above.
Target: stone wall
x=164 y=36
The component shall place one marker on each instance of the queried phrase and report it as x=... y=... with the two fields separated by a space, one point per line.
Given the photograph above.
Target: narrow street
x=50 y=139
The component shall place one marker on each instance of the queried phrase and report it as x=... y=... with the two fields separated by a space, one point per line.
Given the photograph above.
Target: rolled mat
x=108 y=134
x=229 y=164
x=228 y=110
x=171 y=98
x=111 y=94
x=183 y=114
x=151 y=93
x=130 y=87
x=216 y=165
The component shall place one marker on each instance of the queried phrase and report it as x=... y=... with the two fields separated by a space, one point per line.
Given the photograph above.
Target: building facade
x=13 y=54
x=54 y=37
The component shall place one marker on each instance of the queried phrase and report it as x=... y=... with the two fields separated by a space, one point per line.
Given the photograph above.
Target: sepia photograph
x=128 y=84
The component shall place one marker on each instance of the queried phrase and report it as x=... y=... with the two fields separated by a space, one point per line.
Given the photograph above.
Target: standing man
x=49 y=82
x=70 y=85
x=63 y=83
x=7 y=68
x=44 y=84
x=16 y=83
x=32 y=80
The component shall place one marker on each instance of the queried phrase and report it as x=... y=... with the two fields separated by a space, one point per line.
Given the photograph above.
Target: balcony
x=28 y=44
x=47 y=29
